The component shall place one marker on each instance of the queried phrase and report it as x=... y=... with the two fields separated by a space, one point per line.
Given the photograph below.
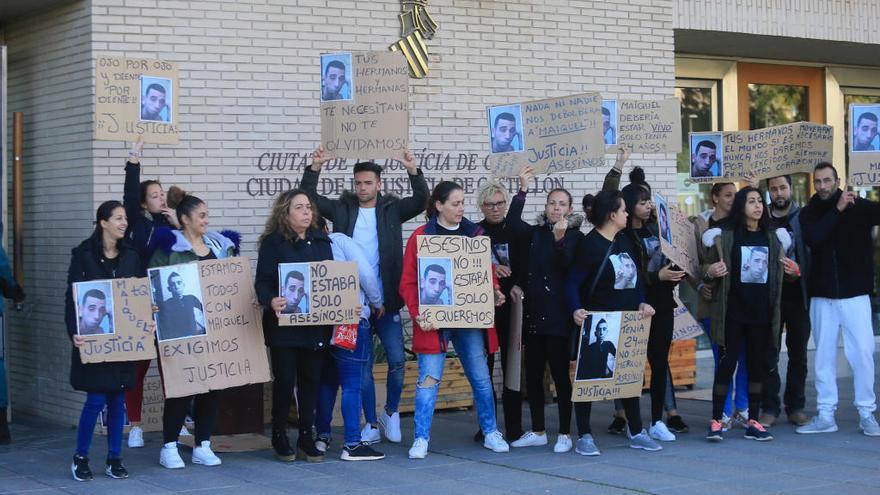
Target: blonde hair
x=491 y=188
x=278 y=218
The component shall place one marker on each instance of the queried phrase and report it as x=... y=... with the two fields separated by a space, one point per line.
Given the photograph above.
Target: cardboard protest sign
x=552 y=135
x=455 y=281
x=612 y=351
x=364 y=104
x=864 y=145
x=649 y=126
x=770 y=152
x=684 y=325
x=136 y=97
x=231 y=351
x=114 y=316
x=319 y=293
x=677 y=239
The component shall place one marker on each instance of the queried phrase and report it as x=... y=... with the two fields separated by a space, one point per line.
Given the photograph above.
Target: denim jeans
x=390 y=332
x=345 y=368
x=471 y=352
x=95 y=402
x=4 y=391
x=740 y=385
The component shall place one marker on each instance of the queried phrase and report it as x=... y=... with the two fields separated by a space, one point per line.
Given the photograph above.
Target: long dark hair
x=737 y=211
x=604 y=204
x=104 y=212
x=183 y=203
x=440 y=193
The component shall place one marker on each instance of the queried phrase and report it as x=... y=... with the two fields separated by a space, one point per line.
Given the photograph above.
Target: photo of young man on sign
x=156 y=99
x=294 y=279
x=609 y=121
x=598 y=346
x=94 y=308
x=435 y=282
x=505 y=129
x=706 y=155
x=337 y=82
x=864 y=135
x=177 y=293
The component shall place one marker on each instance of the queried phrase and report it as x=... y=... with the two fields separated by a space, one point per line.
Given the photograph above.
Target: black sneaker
x=360 y=452
x=306 y=449
x=716 y=431
x=115 y=469
x=618 y=426
x=80 y=469
x=676 y=424
x=281 y=445
x=755 y=431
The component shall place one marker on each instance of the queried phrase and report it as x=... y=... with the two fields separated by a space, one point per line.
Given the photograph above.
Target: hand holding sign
x=717 y=269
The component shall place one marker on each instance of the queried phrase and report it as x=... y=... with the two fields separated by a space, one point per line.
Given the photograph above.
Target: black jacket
x=515 y=233
x=391 y=212
x=141 y=224
x=87 y=263
x=658 y=293
x=841 y=247
x=546 y=310
x=274 y=249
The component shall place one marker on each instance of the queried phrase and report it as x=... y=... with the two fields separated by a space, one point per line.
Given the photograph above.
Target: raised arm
x=131 y=193
x=309 y=184
x=612 y=178
x=415 y=204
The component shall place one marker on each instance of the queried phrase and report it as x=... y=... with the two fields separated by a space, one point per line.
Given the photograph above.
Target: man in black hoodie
x=837 y=228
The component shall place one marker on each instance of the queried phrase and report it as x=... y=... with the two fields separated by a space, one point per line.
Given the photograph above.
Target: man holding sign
x=374 y=221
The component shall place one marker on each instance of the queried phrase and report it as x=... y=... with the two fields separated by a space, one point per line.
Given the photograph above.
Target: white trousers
x=828 y=317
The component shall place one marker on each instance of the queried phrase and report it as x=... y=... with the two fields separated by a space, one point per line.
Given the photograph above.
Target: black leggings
x=541 y=350
x=631 y=407
x=204 y=415
x=659 y=342
x=300 y=368
x=756 y=339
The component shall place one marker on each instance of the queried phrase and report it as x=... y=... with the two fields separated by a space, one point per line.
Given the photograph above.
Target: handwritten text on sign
x=118 y=97
x=334 y=294
x=560 y=134
x=375 y=122
x=685 y=327
x=652 y=126
x=132 y=312
x=684 y=249
x=472 y=300
x=232 y=352
x=629 y=371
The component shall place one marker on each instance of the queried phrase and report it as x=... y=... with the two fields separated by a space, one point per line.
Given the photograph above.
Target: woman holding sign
x=604 y=277
x=748 y=259
x=194 y=242
x=298 y=353
x=147 y=210
x=104 y=255
x=445 y=213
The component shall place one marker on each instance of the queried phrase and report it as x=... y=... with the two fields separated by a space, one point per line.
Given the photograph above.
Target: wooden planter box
x=455 y=390
x=682 y=364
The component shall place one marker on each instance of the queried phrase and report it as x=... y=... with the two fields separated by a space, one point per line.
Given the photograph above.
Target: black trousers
x=796 y=320
x=757 y=340
x=555 y=351
x=300 y=368
x=659 y=341
x=204 y=416
x=511 y=400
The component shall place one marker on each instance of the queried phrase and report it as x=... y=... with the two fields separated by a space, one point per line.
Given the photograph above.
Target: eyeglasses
x=494 y=206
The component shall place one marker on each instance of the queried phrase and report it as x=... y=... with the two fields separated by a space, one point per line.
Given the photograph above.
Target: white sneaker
x=495 y=442
x=205 y=456
x=135 y=437
x=725 y=422
x=563 y=444
x=370 y=434
x=184 y=432
x=740 y=419
x=390 y=426
x=419 y=449
x=169 y=457
x=660 y=432
x=530 y=439
x=869 y=426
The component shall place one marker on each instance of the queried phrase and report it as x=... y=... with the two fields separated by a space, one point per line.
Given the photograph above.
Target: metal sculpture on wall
x=416 y=26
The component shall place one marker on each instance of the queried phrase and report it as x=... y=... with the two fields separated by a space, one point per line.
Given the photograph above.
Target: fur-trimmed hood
x=575 y=220
x=173 y=240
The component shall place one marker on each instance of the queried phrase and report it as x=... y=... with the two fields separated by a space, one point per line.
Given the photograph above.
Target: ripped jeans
x=472 y=353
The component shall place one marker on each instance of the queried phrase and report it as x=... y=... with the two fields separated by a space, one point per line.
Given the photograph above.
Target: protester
x=346 y=367
x=374 y=220
x=661 y=278
x=10 y=289
x=292 y=236
x=104 y=255
x=445 y=214
x=547 y=330
x=837 y=227
x=784 y=213
x=194 y=242
x=591 y=286
x=147 y=210
x=748 y=258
